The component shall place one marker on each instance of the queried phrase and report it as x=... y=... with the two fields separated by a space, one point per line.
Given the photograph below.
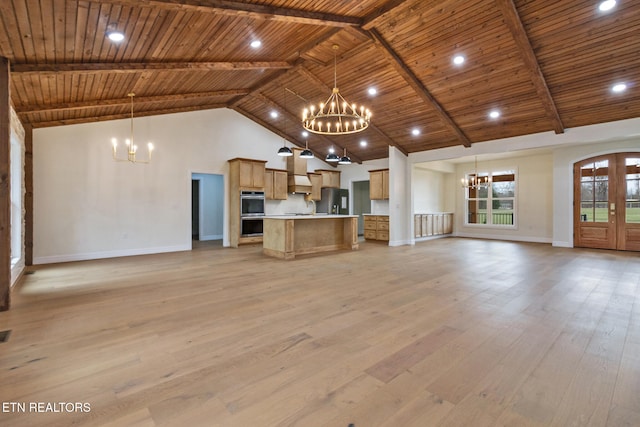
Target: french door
x=607 y=202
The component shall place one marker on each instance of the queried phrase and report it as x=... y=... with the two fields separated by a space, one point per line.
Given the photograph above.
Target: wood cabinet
x=433 y=224
x=244 y=175
x=330 y=179
x=379 y=184
x=250 y=173
x=316 y=187
x=376 y=227
x=275 y=184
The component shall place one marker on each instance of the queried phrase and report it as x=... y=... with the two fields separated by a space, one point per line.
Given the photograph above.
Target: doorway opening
x=606 y=212
x=361 y=203
x=207 y=207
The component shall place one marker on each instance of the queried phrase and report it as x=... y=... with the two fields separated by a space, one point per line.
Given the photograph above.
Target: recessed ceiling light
x=256 y=44
x=331 y=150
x=607 y=5
x=274 y=114
x=494 y=114
x=115 y=36
x=619 y=87
x=363 y=143
x=458 y=59
x=373 y=91
x=415 y=131
x=305 y=133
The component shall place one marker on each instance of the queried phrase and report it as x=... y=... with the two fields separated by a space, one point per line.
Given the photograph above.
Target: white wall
x=400 y=217
x=429 y=192
x=534 y=201
x=88 y=206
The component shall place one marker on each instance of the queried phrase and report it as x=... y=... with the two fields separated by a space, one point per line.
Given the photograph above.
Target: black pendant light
x=344 y=160
x=285 y=151
x=332 y=157
x=306 y=153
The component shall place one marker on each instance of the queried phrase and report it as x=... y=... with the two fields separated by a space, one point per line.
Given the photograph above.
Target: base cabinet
x=376 y=227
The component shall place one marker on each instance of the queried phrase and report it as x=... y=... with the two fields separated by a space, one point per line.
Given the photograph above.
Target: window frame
x=490 y=199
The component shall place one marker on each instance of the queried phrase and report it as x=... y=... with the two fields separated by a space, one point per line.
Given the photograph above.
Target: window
x=16 y=199
x=493 y=203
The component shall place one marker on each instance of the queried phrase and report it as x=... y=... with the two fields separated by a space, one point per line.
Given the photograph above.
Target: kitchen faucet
x=313 y=206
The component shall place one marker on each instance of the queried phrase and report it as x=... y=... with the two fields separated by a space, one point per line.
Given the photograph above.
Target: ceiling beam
x=385 y=10
x=296 y=119
x=247 y=10
x=417 y=85
x=512 y=20
x=134 y=67
x=100 y=103
x=80 y=120
x=315 y=80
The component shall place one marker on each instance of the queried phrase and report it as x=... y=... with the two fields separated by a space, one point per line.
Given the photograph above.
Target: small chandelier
x=335 y=116
x=132 y=148
x=475 y=182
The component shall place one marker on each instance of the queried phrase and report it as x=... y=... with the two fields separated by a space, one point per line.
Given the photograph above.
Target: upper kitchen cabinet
x=379 y=184
x=316 y=187
x=275 y=184
x=250 y=173
x=330 y=179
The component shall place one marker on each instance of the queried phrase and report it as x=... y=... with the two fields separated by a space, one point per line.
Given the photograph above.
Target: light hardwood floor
x=450 y=332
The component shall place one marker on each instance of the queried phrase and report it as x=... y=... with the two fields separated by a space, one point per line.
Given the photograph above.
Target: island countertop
x=285 y=236
x=308 y=216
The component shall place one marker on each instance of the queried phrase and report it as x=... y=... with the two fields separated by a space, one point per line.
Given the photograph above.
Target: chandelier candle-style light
x=475 y=182
x=131 y=147
x=335 y=116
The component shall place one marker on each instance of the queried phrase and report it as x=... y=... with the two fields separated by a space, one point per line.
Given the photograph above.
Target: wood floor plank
x=449 y=332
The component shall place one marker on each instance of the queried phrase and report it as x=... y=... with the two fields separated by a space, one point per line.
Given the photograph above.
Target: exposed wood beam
x=315 y=80
x=92 y=119
x=135 y=67
x=266 y=81
x=255 y=11
x=5 y=184
x=513 y=21
x=297 y=119
x=31 y=109
x=372 y=19
x=417 y=86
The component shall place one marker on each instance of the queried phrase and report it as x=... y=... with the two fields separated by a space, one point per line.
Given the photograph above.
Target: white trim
x=530 y=239
x=399 y=242
x=560 y=244
x=110 y=254
x=211 y=237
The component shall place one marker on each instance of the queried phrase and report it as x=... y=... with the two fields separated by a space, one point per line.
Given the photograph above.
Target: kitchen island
x=289 y=235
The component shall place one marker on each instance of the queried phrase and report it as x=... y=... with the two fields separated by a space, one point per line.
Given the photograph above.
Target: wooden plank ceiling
x=546 y=65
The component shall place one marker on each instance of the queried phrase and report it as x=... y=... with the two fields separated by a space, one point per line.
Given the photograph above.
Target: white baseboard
x=399 y=242
x=211 y=237
x=530 y=239
x=560 y=244
x=109 y=254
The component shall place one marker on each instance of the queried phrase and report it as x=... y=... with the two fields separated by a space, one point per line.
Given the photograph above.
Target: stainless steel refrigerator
x=333 y=201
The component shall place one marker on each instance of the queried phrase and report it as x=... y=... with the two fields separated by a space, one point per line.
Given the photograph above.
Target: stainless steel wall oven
x=251 y=213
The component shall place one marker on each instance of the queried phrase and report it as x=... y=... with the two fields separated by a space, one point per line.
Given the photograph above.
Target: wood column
x=5 y=185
